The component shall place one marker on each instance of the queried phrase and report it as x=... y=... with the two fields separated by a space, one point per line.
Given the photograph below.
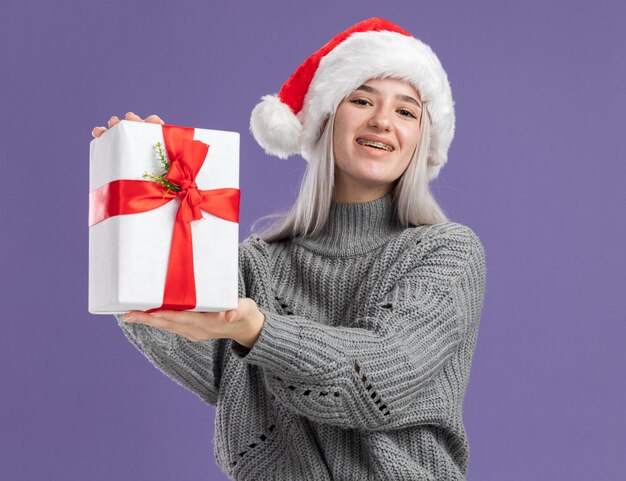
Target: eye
x=360 y=101
x=406 y=113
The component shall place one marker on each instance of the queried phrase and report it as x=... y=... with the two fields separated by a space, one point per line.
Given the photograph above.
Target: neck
x=353 y=194
x=355 y=228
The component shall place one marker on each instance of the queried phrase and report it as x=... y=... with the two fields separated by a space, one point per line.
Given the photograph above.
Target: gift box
x=163 y=219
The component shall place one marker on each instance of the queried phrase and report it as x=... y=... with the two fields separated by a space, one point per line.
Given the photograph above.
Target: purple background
x=536 y=169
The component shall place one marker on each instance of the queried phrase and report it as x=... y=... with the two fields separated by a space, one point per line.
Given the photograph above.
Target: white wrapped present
x=169 y=241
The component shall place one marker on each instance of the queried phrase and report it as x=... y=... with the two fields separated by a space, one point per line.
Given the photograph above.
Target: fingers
x=195 y=326
x=132 y=116
x=154 y=119
x=177 y=317
x=145 y=318
x=168 y=323
x=98 y=131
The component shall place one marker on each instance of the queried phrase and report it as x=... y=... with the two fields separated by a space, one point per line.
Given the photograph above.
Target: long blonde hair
x=413 y=201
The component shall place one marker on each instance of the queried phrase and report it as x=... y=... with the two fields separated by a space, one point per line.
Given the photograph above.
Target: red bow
x=122 y=197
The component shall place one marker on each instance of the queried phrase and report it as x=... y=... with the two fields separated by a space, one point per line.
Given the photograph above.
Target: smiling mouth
x=376 y=145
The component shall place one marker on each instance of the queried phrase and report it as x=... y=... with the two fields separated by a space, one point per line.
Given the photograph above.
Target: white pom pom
x=275 y=127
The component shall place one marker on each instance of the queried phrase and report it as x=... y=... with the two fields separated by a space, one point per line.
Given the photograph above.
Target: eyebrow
x=406 y=98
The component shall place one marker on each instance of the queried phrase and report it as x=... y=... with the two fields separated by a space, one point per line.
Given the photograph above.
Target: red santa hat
x=291 y=121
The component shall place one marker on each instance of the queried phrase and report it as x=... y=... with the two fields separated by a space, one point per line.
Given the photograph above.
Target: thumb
x=232 y=315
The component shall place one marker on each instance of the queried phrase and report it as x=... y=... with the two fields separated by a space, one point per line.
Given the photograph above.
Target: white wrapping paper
x=129 y=254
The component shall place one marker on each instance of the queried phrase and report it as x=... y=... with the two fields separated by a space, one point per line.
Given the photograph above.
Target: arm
x=367 y=378
x=197 y=366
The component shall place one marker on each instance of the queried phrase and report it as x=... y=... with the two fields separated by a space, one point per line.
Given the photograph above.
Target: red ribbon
x=122 y=197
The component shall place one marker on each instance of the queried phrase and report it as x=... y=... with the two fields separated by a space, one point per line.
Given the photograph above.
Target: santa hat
x=291 y=121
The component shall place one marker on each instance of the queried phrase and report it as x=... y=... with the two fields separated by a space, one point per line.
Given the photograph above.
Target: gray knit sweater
x=361 y=367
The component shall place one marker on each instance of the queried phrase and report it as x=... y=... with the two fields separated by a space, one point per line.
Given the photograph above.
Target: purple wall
x=536 y=169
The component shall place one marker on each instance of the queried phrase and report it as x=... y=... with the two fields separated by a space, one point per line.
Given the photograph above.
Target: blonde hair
x=413 y=201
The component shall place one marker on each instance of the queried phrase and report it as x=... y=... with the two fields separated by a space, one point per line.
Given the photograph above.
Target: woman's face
x=375 y=135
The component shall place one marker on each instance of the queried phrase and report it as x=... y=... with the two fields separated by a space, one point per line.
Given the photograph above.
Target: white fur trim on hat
x=275 y=127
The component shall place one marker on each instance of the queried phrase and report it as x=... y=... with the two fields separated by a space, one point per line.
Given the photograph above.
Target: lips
x=375 y=144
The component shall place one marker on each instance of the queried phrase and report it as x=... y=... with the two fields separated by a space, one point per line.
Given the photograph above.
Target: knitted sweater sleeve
x=367 y=378
x=197 y=366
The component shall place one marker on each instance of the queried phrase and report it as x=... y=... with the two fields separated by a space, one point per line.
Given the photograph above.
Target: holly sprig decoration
x=160 y=179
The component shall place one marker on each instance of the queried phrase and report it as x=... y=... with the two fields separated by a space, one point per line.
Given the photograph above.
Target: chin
x=374 y=182
x=375 y=177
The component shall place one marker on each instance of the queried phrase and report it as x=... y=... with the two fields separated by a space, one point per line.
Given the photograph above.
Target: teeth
x=378 y=145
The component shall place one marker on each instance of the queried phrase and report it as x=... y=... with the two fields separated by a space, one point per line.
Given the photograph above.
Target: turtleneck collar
x=353 y=229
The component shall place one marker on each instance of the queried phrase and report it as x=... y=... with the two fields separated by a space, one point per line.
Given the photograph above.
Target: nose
x=380 y=120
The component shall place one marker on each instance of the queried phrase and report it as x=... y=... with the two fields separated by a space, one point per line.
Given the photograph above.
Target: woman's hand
x=243 y=324
x=98 y=131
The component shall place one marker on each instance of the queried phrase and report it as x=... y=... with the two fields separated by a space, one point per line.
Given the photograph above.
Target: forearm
x=195 y=366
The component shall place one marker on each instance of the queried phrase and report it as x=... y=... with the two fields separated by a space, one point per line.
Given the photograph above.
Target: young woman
x=350 y=351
